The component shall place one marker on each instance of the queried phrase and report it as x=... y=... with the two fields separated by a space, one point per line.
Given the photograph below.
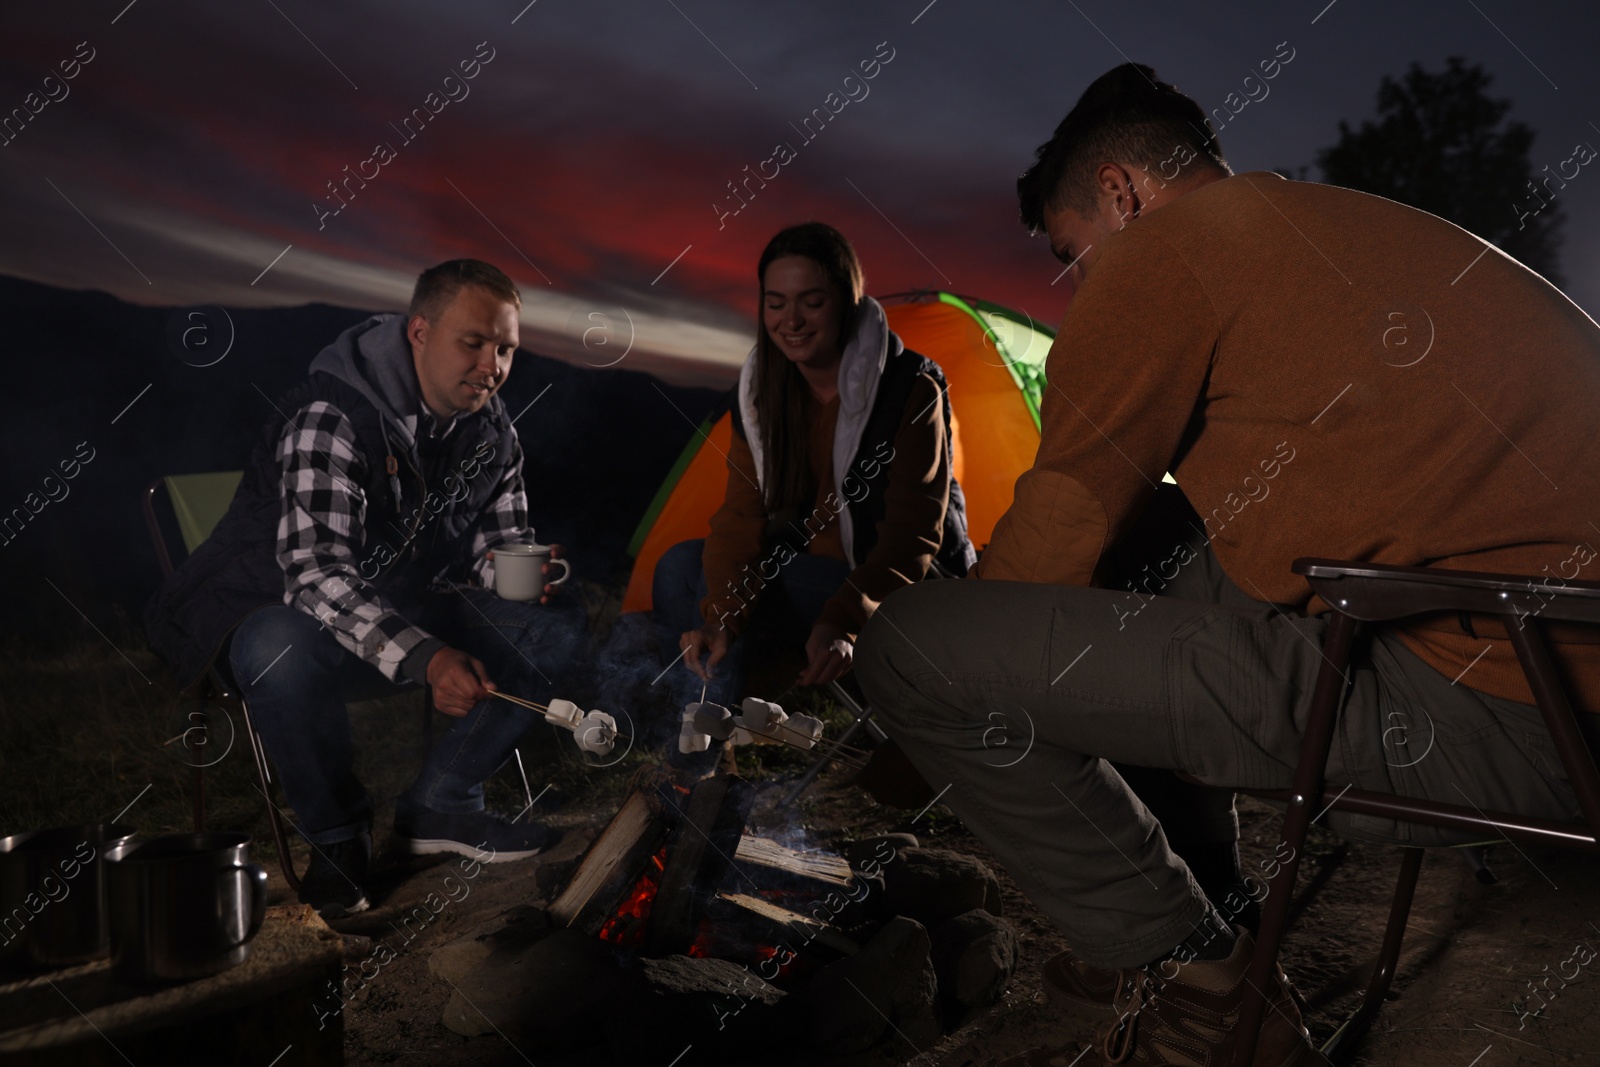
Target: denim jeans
x=786 y=610
x=296 y=678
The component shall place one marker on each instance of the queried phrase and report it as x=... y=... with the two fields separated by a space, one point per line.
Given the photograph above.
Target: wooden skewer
x=542 y=707
x=839 y=753
x=837 y=759
x=518 y=700
x=836 y=746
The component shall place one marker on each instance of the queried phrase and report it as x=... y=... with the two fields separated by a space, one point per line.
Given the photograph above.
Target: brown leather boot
x=1071 y=984
x=1186 y=1015
x=1185 y=1020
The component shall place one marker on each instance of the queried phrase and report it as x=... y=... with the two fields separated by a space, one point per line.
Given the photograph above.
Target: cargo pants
x=1020 y=697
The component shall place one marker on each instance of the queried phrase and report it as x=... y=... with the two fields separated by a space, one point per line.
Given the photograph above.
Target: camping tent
x=993 y=359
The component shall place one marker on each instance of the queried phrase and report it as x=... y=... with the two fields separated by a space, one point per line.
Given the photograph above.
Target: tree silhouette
x=1439 y=144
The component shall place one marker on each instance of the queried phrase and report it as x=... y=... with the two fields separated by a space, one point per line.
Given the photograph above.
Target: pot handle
x=256 y=876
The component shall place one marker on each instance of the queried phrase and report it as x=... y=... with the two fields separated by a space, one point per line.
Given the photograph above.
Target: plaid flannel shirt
x=321 y=537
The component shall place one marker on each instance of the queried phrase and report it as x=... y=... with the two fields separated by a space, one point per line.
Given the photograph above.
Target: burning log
x=710 y=828
x=648 y=876
x=769 y=923
x=611 y=867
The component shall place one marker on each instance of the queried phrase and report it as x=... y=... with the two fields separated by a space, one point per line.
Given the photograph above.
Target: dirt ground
x=1471 y=949
x=85 y=736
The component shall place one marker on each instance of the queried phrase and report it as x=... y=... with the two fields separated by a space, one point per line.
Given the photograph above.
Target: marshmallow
x=563 y=713
x=596 y=732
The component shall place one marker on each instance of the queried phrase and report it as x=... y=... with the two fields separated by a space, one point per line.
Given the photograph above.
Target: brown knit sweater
x=1325 y=373
x=908 y=536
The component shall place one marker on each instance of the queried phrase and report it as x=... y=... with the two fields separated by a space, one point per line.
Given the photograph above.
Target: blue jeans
x=296 y=678
x=785 y=611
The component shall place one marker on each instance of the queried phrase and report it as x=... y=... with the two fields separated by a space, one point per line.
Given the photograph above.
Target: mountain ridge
x=88 y=373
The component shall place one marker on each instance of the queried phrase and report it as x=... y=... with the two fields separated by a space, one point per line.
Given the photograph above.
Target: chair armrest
x=1375 y=592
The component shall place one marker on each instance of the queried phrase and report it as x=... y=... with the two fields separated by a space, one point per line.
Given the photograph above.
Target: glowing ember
x=784 y=954
x=703 y=945
x=627 y=926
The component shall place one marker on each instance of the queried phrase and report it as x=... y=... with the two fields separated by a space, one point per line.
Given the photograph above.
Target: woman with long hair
x=839 y=484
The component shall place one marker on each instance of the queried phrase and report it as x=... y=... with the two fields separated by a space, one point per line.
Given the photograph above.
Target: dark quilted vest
x=413 y=532
x=866 y=484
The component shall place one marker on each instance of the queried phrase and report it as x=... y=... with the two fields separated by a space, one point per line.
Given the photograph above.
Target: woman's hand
x=829 y=652
x=711 y=639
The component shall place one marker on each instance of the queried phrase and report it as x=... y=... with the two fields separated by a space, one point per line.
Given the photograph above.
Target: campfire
x=676 y=902
x=675 y=873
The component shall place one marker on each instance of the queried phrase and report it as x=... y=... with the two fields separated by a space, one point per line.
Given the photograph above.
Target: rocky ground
x=86 y=736
x=1462 y=998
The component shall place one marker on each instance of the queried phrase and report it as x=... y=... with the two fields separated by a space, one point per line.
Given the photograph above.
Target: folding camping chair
x=198 y=503
x=1370 y=592
x=863 y=717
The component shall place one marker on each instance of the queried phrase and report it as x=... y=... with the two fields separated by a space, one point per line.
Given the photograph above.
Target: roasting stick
x=518 y=700
x=836 y=746
x=781 y=732
x=836 y=758
x=544 y=708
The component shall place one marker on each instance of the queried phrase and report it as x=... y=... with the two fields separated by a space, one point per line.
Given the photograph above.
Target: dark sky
x=186 y=162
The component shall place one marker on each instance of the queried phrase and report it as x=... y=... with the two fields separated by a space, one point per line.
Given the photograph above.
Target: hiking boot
x=335 y=883
x=481 y=835
x=1070 y=983
x=1191 y=1018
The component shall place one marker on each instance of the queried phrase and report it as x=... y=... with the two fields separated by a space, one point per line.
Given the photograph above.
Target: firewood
x=774 y=924
x=708 y=830
x=611 y=866
x=772 y=866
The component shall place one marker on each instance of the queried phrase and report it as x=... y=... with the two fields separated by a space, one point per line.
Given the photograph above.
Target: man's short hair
x=437 y=286
x=1125 y=116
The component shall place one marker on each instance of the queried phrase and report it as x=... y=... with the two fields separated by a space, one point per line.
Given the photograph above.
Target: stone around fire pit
x=554 y=991
x=518 y=927
x=871 y=853
x=974 y=955
x=934 y=885
x=724 y=1010
x=891 y=980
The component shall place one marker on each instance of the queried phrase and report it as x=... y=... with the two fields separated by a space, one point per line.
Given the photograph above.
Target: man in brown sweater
x=1323 y=373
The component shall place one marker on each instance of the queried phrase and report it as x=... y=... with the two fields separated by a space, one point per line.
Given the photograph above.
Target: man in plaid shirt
x=357 y=555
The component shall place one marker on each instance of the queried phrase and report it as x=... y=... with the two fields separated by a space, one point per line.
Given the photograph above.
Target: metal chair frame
x=863 y=721
x=215 y=685
x=1369 y=592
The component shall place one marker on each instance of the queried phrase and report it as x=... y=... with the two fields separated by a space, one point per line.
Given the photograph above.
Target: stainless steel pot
x=53 y=895
x=184 y=905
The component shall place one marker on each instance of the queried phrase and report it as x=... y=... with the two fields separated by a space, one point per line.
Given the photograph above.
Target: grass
x=93 y=730
x=83 y=732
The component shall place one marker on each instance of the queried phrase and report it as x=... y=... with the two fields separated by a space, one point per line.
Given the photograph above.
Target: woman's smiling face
x=802 y=312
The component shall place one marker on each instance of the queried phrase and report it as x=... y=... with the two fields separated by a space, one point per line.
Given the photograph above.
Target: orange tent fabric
x=992 y=359
x=995 y=438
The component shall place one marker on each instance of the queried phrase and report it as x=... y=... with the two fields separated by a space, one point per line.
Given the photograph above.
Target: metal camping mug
x=53 y=895
x=519 y=571
x=184 y=906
